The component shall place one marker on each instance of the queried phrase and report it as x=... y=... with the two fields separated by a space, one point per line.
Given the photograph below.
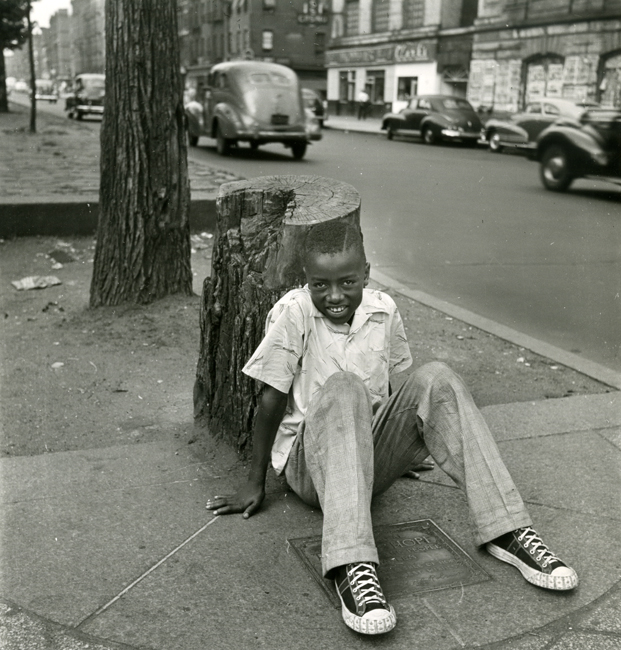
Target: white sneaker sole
x=369 y=625
x=557 y=583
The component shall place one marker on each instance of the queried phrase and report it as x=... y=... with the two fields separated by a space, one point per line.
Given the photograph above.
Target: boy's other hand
x=414 y=471
x=246 y=500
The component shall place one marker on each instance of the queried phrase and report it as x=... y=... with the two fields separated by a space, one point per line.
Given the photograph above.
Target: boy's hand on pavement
x=246 y=500
x=413 y=472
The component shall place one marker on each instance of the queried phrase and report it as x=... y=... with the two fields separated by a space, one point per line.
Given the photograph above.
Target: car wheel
x=78 y=115
x=298 y=149
x=223 y=145
x=493 y=137
x=429 y=137
x=555 y=169
x=70 y=114
x=390 y=134
x=192 y=140
x=254 y=145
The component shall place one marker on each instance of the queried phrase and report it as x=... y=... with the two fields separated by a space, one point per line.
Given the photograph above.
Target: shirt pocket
x=377 y=334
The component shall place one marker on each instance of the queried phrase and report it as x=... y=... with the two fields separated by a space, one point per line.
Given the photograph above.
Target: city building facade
x=527 y=49
x=88 y=49
x=58 y=46
x=292 y=32
x=393 y=49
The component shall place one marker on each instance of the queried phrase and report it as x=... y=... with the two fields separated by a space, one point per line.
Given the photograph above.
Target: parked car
x=46 y=91
x=255 y=102
x=21 y=86
x=86 y=96
x=435 y=118
x=317 y=106
x=588 y=147
x=521 y=130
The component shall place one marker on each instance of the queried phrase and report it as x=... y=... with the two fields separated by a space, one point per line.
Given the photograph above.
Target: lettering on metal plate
x=415 y=557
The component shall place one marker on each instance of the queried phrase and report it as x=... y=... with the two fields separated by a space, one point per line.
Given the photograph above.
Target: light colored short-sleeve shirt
x=302 y=348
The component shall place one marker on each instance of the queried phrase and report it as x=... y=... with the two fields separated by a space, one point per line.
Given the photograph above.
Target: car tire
x=254 y=145
x=192 y=140
x=493 y=137
x=429 y=137
x=298 y=149
x=78 y=115
x=390 y=134
x=555 y=169
x=223 y=145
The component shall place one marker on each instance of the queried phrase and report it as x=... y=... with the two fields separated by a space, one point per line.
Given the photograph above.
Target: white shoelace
x=365 y=582
x=532 y=539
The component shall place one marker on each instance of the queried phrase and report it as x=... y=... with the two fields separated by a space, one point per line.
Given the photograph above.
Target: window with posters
x=544 y=77
x=406 y=87
x=610 y=84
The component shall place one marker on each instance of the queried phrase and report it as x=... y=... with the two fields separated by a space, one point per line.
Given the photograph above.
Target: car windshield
x=273 y=78
x=455 y=104
x=94 y=84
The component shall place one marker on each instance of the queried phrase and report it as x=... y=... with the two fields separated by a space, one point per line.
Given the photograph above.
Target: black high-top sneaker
x=525 y=550
x=364 y=606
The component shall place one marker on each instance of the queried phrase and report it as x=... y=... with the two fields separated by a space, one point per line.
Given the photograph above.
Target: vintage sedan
x=520 y=132
x=255 y=102
x=588 y=148
x=87 y=96
x=314 y=104
x=435 y=118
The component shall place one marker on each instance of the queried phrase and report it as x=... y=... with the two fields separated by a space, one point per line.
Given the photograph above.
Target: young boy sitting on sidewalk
x=327 y=418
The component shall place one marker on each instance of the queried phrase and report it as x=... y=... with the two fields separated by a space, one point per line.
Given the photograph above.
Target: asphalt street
x=474 y=228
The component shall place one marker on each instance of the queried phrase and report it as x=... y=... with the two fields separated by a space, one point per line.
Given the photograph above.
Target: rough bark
x=257 y=257
x=143 y=236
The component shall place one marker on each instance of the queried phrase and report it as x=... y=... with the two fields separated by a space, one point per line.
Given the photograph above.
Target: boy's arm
x=249 y=497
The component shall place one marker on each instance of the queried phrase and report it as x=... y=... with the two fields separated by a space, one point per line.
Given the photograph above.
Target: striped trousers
x=345 y=454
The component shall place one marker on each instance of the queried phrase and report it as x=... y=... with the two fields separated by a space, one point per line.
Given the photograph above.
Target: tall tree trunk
x=33 y=76
x=260 y=231
x=143 y=234
x=4 y=100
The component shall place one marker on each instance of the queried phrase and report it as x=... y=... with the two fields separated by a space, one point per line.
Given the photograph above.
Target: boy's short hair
x=331 y=237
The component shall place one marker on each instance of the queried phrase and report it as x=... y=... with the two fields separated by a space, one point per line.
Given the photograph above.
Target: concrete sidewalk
x=113 y=547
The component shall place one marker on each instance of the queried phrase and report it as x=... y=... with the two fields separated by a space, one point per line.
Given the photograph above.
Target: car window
x=260 y=78
x=280 y=79
x=455 y=103
x=413 y=103
x=533 y=108
x=550 y=109
x=94 y=83
x=424 y=104
x=221 y=81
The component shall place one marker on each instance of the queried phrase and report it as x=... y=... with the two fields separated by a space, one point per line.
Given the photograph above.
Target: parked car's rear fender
x=225 y=116
x=505 y=127
x=579 y=143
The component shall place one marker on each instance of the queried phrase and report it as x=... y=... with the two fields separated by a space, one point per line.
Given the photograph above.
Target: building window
x=375 y=85
x=267 y=40
x=347 y=85
x=413 y=13
x=407 y=87
x=381 y=11
x=320 y=42
x=352 y=18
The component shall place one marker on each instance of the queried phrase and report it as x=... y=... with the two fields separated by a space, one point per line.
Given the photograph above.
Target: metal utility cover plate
x=415 y=557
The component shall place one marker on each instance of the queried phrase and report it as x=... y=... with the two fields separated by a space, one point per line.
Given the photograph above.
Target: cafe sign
x=407 y=52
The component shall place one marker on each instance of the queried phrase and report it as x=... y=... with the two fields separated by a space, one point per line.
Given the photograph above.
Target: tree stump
x=260 y=232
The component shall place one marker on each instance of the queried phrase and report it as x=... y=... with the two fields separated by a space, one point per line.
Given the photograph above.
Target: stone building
x=88 y=52
x=394 y=49
x=525 y=49
x=58 y=46
x=291 y=32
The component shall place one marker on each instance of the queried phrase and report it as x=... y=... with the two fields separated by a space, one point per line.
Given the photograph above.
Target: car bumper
x=276 y=136
x=454 y=134
x=89 y=108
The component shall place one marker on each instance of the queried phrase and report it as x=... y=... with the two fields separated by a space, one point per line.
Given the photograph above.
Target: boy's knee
x=435 y=373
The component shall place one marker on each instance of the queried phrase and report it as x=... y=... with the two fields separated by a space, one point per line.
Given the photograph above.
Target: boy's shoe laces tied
x=532 y=539
x=366 y=585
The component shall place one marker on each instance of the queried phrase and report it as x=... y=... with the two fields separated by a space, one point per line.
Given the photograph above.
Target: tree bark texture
x=143 y=234
x=261 y=228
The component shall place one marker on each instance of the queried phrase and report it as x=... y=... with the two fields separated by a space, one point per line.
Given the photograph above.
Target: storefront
x=389 y=73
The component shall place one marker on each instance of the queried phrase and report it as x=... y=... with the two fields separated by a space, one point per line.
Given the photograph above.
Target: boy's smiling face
x=336 y=282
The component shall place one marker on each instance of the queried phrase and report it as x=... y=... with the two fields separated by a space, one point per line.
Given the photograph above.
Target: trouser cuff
x=347 y=555
x=498 y=528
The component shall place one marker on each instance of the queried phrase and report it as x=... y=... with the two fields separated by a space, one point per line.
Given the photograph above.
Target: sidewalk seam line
x=103 y=608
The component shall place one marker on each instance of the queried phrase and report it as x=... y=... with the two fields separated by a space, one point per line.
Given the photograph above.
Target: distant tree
x=143 y=236
x=13 y=34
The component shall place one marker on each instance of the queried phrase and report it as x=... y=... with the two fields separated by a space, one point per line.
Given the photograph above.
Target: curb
x=79 y=217
x=590 y=368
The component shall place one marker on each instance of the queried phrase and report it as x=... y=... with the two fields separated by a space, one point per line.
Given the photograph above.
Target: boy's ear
x=367 y=273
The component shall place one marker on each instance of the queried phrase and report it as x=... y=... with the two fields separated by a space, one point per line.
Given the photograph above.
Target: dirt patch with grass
x=77 y=378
